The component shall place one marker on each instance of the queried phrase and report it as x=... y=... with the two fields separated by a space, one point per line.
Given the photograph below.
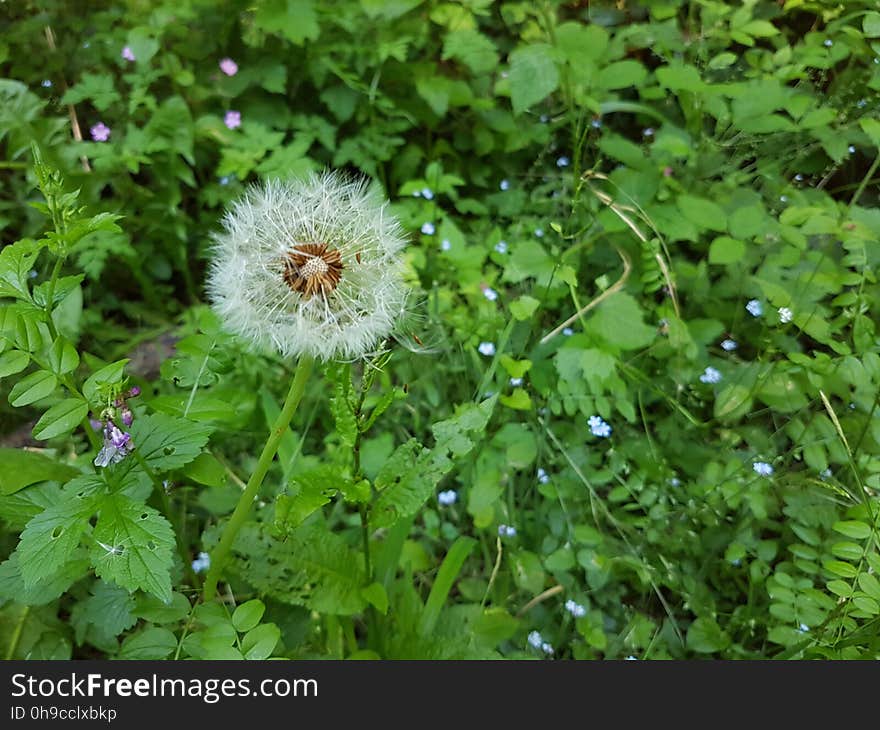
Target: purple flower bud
x=127 y=417
x=229 y=67
x=232 y=119
x=134 y=392
x=95 y=424
x=118 y=439
x=128 y=54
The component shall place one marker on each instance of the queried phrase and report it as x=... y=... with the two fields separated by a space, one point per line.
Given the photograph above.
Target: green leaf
x=533 y=76
x=133 y=546
x=680 y=77
x=308 y=492
x=524 y=307
x=103 y=380
x=726 y=250
x=61 y=419
x=142 y=43
x=733 y=401
x=33 y=387
x=376 y=596
x=618 y=321
x=853 y=528
x=871 y=24
x=449 y=570
x=621 y=74
x=259 y=643
x=152 y=609
x=167 y=442
x=16 y=263
x=19 y=469
x=12 y=587
x=340 y=403
x=13 y=361
x=472 y=48
x=63 y=357
x=296 y=20
x=152 y=643
x=107 y=612
x=97 y=88
x=206 y=469
x=706 y=637
x=248 y=615
x=871 y=127
x=703 y=213
x=52 y=536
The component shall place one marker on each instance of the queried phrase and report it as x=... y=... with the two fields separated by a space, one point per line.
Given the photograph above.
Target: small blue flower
x=427 y=193
x=428 y=228
x=828 y=43
x=543 y=477
x=729 y=345
x=762 y=468
x=648 y=132
x=490 y=294
x=563 y=161
x=447 y=497
x=630 y=658
x=575 y=609
x=506 y=531
x=803 y=628
x=417 y=193
x=501 y=247
x=785 y=315
x=674 y=482
x=861 y=103
x=535 y=639
x=710 y=375
x=783 y=198
x=543 y=119
x=487 y=348
x=567 y=331
x=851 y=149
x=516 y=382
x=798 y=178
x=504 y=184
x=201 y=563
x=547 y=648
x=596 y=124
x=539 y=232
x=445 y=244
x=755 y=308
x=46 y=83
x=598 y=427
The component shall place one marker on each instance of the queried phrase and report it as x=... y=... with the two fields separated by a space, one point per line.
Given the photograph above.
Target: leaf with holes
x=52 y=535
x=133 y=546
x=167 y=442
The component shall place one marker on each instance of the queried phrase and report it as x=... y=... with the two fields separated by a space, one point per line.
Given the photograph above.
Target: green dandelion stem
x=243 y=508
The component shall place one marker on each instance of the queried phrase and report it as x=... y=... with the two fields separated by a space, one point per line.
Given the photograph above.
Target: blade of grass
x=446 y=576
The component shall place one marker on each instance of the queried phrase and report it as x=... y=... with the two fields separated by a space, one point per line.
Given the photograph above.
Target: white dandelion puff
x=309 y=267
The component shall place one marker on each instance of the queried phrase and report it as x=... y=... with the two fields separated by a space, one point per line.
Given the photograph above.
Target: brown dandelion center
x=313 y=268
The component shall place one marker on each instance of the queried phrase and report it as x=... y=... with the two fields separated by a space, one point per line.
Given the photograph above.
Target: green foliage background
x=635 y=172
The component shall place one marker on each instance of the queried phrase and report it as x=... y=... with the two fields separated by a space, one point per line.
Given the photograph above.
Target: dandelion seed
x=598 y=427
x=445 y=244
x=539 y=232
x=729 y=345
x=516 y=382
x=229 y=67
x=755 y=308
x=567 y=331
x=487 y=348
x=447 y=497
x=762 y=468
x=504 y=185
x=46 y=83
x=490 y=294
x=100 y=132
x=506 y=531
x=710 y=375
x=535 y=639
x=785 y=315
x=310 y=267
x=201 y=563
x=563 y=161
x=428 y=228
x=575 y=609
x=501 y=247
x=128 y=54
x=232 y=119
x=427 y=193
x=543 y=477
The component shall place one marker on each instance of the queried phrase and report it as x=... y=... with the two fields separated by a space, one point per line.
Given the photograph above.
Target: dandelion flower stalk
x=252 y=488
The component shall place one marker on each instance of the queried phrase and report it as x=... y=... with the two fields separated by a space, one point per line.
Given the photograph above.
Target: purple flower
x=96 y=424
x=100 y=132
x=128 y=54
x=117 y=445
x=134 y=392
x=229 y=67
x=232 y=119
x=127 y=417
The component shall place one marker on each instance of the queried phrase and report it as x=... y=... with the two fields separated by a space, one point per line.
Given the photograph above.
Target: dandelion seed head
x=309 y=267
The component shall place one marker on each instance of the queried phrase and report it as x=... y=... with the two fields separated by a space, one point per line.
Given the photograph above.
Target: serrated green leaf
x=133 y=546
x=533 y=75
x=108 y=611
x=167 y=442
x=619 y=321
x=16 y=262
x=103 y=380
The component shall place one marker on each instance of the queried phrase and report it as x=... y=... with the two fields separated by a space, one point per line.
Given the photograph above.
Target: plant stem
x=864 y=183
x=221 y=552
x=16 y=634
